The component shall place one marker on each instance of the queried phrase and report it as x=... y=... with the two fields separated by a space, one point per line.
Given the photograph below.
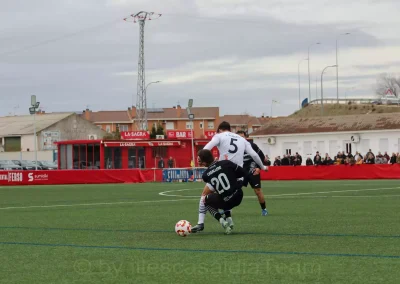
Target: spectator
x=285 y=161
x=327 y=161
x=317 y=161
x=360 y=161
x=347 y=161
x=309 y=162
x=358 y=155
x=386 y=157
x=161 y=163
x=370 y=159
x=368 y=155
x=267 y=162
x=299 y=159
x=315 y=157
x=379 y=155
x=393 y=159
x=398 y=158
x=350 y=155
x=379 y=159
x=277 y=162
x=170 y=162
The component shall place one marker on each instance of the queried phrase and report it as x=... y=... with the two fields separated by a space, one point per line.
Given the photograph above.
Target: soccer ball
x=183 y=228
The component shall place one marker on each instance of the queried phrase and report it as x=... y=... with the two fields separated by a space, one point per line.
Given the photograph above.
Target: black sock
x=218 y=216
x=263 y=205
x=228 y=214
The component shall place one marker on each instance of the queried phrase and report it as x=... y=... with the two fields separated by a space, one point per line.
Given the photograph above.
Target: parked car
x=390 y=100
x=27 y=165
x=46 y=165
x=9 y=166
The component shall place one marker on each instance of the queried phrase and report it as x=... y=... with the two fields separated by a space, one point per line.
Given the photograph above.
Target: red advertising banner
x=132 y=135
x=209 y=134
x=142 y=143
x=78 y=177
x=179 y=134
x=337 y=172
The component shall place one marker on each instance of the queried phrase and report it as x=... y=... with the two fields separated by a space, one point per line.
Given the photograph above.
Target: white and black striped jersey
x=222 y=177
x=248 y=161
x=232 y=147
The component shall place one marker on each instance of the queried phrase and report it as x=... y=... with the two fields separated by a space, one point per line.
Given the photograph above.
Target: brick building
x=175 y=118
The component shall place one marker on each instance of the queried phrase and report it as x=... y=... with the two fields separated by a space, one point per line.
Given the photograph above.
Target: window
x=383 y=145
x=321 y=147
x=100 y=126
x=201 y=125
x=348 y=148
x=170 y=126
x=288 y=151
x=307 y=148
x=189 y=125
x=210 y=125
x=123 y=128
x=108 y=128
x=333 y=147
x=159 y=152
x=12 y=144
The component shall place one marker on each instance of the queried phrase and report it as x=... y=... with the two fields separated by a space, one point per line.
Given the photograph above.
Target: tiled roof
x=175 y=113
x=345 y=123
x=240 y=119
x=23 y=125
x=109 y=116
x=164 y=113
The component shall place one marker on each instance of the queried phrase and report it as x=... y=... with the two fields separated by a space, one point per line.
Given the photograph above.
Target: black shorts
x=226 y=203
x=253 y=180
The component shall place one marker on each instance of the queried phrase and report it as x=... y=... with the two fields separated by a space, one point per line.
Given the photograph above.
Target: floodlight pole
x=34 y=135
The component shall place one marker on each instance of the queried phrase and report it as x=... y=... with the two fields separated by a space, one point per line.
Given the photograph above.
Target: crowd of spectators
x=340 y=159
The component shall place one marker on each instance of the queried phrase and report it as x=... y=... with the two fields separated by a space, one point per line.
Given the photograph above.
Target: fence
x=183 y=175
x=30 y=156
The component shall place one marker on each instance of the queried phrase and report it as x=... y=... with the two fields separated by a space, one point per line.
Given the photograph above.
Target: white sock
x=202 y=211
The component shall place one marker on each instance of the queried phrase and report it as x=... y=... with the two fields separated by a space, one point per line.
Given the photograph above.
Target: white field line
x=166 y=193
x=298 y=195
x=90 y=204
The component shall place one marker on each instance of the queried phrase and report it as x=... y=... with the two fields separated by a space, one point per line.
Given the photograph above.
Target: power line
x=69 y=35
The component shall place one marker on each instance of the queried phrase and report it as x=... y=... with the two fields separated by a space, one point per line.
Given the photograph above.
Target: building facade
x=330 y=135
x=17 y=137
x=206 y=119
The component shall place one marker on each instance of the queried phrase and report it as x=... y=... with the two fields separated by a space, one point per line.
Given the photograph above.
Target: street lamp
x=145 y=92
x=309 y=78
x=272 y=103
x=337 y=66
x=191 y=118
x=298 y=72
x=32 y=110
x=322 y=88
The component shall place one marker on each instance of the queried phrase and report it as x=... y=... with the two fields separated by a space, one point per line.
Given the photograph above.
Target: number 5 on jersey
x=235 y=147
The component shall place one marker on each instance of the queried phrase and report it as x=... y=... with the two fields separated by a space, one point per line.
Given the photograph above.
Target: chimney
x=178 y=111
x=87 y=114
x=132 y=112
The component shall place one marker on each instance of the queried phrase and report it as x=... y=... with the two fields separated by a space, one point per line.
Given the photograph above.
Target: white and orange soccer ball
x=183 y=228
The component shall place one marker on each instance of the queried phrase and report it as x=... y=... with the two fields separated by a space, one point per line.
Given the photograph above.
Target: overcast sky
x=236 y=54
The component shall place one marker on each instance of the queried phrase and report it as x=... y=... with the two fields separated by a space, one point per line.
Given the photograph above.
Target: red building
x=134 y=152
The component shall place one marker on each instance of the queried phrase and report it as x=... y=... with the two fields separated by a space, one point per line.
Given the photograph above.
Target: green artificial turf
x=317 y=232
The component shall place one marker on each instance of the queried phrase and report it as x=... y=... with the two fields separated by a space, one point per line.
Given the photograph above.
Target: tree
x=160 y=129
x=153 y=132
x=388 y=83
x=116 y=135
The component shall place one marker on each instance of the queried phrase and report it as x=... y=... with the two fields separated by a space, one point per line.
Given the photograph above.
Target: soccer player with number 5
x=231 y=147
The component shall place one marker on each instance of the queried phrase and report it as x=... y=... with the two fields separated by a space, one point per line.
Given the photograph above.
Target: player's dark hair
x=205 y=156
x=224 y=126
x=243 y=132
